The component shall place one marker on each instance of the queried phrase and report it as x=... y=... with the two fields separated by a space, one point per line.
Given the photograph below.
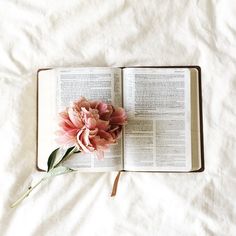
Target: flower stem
x=26 y=194
x=58 y=169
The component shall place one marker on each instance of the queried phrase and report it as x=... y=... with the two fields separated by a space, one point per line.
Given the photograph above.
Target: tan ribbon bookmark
x=115 y=185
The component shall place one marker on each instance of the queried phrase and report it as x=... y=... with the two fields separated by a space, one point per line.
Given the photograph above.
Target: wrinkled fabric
x=39 y=34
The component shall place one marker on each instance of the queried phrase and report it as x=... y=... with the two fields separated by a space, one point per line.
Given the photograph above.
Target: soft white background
x=36 y=34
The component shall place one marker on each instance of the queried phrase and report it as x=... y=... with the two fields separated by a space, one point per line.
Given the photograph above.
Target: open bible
x=163 y=107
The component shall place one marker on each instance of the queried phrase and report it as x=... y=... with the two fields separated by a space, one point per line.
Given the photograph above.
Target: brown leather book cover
x=200 y=111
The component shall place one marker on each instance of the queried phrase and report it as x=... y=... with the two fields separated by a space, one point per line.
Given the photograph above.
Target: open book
x=163 y=130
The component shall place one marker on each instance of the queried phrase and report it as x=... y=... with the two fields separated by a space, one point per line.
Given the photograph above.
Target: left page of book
x=56 y=89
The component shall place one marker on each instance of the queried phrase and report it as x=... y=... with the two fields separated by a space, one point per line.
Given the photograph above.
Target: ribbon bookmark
x=115 y=185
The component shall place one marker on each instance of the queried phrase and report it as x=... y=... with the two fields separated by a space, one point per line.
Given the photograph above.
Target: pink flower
x=91 y=125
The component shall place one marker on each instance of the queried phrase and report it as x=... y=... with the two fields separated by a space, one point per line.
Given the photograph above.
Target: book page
x=95 y=84
x=158 y=134
x=195 y=121
x=46 y=116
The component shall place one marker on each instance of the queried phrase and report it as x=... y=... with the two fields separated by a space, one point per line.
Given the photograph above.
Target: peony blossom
x=90 y=125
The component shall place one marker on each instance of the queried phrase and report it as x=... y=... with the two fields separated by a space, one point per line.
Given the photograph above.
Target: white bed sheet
x=37 y=34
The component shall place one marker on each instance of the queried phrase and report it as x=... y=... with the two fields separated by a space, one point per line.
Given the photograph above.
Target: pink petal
x=79 y=139
x=102 y=124
x=100 y=154
x=93 y=133
x=102 y=107
x=93 y=104
x=118 y=116
x=82 y=138
x=74 y=117
x=105 y=135
x=91 y=123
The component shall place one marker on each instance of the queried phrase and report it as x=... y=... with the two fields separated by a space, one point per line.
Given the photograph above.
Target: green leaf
x=52 y=159
x=68 y=151
x=59 y=155
x=78 y=151
x=60 y=170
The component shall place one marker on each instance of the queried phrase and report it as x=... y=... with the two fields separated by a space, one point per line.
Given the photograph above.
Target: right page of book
x=158 y=134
